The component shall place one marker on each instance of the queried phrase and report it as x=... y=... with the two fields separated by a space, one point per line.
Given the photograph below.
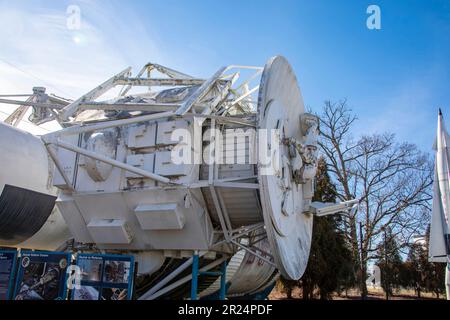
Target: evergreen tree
x=390 y=263
x=415 y=269
x=330 y=264
x=420 y=274
x=415 y=273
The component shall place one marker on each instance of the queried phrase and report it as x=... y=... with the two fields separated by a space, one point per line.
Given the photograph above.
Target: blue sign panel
x=42 y=276
x=7 y=270
x=104 y=277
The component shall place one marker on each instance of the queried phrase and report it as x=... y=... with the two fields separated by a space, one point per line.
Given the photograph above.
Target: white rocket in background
x=439 y=245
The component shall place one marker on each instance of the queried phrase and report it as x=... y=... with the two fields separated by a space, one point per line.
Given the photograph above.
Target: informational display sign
x=104 y=277
x=42 y=276
x=7 y=271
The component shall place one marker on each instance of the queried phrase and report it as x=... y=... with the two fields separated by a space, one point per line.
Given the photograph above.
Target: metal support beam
x=324 y=209
x=162 y=69
x=110 y=124
x=224 y=91
x=167 y=279
x=153 y=82
x=223 y=281
x=261 y=238
x=15 y=95
x=236 y=66
x=240 y=233
x=224 y=222
x=127 y=88
x=236 y=179
x=245 y=95
x=200 y=92
x=72 y=108
x=18 y=114
x=58 y=166
x=254 y=253
x=223 y=119
x=196 y=273
x=250 y=79
x=224 y=210
x=113 y=162
x=32 y=104
x=168 y=71
x=194 y=281
x=225 y=184
x=185 y=279
x=154 y=107
x=237 y=185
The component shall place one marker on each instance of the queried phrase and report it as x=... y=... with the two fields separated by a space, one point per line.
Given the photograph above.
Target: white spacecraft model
x=439 y=244
x=201 y=172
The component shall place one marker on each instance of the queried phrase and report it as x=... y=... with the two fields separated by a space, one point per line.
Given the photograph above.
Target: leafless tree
x=391 y=179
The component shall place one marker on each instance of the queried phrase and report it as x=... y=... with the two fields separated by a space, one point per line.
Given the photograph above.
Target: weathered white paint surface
x=281 y=104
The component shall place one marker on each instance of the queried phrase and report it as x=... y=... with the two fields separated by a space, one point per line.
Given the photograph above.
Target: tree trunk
x=306 y=290
x=289 y=293
x=361 y=272
x=364 y=291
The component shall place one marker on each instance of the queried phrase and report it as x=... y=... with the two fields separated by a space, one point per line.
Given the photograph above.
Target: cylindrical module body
x=27 y=198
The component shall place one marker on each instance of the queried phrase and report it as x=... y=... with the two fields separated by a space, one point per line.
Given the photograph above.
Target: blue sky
x=394 y=78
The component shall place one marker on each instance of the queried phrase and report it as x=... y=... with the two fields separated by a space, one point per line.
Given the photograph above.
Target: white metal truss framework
x=45 y=107
x=224 y=98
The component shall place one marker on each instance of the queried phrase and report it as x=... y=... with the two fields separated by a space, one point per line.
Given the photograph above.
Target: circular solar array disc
x=289 y=230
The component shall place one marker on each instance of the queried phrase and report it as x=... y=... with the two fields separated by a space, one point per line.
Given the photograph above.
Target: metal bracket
x=321 y=209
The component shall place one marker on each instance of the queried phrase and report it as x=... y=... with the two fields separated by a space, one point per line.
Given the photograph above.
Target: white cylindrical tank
x=27 y=198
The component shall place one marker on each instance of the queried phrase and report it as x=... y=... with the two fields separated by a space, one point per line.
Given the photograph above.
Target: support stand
x=196 y=273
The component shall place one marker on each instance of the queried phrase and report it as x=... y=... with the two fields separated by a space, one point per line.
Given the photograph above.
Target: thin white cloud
x=39 y=50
